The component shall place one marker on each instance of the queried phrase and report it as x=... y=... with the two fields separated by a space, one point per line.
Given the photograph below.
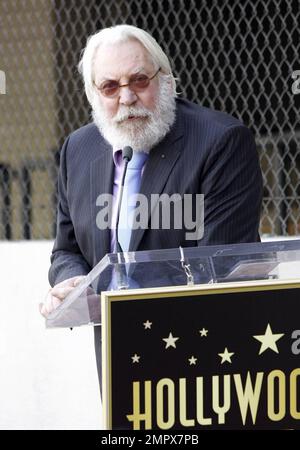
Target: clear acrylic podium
x=175 y=267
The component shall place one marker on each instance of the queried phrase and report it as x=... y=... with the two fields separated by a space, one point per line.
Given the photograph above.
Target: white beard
x=140 y=134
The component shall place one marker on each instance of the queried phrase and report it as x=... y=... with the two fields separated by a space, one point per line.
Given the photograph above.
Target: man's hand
x=57 y=294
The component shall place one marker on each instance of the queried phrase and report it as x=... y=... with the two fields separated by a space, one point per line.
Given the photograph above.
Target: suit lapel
x=101 y=182
x=157 y=170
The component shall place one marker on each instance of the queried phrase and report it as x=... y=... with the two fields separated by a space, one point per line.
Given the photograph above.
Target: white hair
x=116 y=34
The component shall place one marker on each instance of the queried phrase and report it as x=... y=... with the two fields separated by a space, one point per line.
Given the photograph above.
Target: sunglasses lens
x=109 y=89
x=139 y=82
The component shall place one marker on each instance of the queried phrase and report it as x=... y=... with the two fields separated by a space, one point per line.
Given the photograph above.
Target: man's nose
x=127 y=96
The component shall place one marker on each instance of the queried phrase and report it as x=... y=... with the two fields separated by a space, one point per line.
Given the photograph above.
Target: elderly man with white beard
x=187 y=149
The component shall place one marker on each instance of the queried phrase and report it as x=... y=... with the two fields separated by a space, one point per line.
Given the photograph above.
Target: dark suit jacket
x=205 y=152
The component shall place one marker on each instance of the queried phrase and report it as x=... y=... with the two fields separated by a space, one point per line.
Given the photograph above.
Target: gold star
x=268 y=340
x=226 y=356
x=170 y=341
x=203 y=332
x=147 y=325
x=192 y=360
x=135 y=358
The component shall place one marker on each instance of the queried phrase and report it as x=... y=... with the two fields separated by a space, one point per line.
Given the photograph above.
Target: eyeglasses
x=136 y=83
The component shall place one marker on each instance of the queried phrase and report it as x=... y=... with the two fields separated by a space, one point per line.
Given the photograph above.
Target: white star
x=226 y=356
x=203 y=332
x=147 y=325
x=135 y=358
x=268 y=340
x=170 y=341
x=192 y=360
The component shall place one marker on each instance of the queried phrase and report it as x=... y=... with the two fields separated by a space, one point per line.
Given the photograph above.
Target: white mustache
x=132 y=112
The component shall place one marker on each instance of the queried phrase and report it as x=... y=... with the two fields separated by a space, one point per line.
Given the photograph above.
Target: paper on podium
x=253 y=270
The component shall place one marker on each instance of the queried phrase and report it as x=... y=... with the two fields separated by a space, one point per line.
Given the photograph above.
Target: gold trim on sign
x=217 y=288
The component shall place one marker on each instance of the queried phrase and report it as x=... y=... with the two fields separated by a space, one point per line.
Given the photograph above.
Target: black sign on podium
x=202 y=339
x=202 y=357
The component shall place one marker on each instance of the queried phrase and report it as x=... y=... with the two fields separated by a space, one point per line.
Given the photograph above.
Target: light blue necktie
x=132 y=185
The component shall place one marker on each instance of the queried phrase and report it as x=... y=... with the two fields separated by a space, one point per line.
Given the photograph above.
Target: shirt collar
x=117 y=157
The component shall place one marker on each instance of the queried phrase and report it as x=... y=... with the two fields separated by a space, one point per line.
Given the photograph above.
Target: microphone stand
x=121 y=275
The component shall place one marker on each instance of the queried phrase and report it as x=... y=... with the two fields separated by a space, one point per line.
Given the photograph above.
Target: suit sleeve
x=232 y=188
x=66 y=259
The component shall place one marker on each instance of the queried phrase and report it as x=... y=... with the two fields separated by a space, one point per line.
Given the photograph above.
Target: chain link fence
x=235 y=56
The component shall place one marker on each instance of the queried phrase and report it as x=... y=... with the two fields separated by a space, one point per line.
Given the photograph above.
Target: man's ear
x=170 y=85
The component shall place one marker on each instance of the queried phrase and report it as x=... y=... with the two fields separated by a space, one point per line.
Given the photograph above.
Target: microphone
x=127 y=153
